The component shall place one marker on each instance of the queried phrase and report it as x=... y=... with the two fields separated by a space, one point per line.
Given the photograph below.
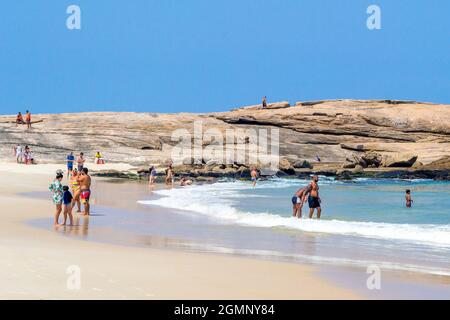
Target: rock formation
x=379 y=132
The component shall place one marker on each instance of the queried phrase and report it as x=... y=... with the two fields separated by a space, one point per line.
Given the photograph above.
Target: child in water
x=409 y=201
x=67 y=201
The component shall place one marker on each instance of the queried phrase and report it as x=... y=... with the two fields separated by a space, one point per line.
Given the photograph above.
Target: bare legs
x=86 y=208
x=68 y=212
x=57 y=214
x=311 y=212
x=76 y=199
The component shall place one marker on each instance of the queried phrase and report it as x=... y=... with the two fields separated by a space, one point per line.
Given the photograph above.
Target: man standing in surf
x=254 y=175
x=314 y=199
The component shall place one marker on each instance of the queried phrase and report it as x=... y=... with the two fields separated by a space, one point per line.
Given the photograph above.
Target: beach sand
x=34 y=261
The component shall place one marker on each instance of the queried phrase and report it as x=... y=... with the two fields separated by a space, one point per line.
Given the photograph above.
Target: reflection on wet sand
x=79 y=229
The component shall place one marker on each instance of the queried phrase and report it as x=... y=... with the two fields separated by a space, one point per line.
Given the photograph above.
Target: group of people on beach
x=23 y=155
x=65 y=198
x=20 y=119
x=80 y=182
x=169 y=179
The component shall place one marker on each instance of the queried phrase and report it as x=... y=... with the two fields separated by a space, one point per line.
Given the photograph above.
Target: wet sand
x=35 y=263
x=119 y=220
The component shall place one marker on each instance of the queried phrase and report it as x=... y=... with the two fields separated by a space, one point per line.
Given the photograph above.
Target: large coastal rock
x=399 y=160
x=331 y=130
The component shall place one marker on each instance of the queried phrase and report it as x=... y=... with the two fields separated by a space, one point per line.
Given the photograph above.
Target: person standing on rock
x=28 y=119
x=314 y=199
x=264 y=102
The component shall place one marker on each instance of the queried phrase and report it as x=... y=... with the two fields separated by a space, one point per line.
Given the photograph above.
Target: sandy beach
x=34 y=262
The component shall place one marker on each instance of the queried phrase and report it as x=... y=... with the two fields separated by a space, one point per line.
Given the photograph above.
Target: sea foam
x=217 y=202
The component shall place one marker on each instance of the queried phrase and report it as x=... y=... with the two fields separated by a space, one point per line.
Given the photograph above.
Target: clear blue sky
x=204 y=55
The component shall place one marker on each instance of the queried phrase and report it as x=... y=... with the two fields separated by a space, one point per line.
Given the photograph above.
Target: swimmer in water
x=408 y=199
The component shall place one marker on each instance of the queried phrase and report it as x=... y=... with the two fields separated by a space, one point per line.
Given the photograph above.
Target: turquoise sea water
x=364 y=221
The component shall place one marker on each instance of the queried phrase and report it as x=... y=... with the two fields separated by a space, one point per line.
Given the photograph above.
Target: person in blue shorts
x=67 y=202
x=70 y=161
x=298 y=199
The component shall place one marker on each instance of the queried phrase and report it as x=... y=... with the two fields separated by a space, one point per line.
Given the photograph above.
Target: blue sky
x=203 y=55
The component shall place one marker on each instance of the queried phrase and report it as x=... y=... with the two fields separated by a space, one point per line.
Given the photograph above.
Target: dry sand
x=33 y=262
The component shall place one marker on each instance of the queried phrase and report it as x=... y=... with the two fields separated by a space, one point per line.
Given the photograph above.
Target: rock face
x=399 y=160
x=365 y=132
x=302 y=164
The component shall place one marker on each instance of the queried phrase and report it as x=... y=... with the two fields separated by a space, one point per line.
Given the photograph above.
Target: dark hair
x=65 y=188
x=59 y=176
x=408 y=191
x=85 y=170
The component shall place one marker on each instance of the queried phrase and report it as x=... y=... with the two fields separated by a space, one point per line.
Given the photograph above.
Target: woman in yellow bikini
x=75 y=189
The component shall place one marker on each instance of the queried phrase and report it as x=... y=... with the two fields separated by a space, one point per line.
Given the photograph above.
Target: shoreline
x=137 y=233
x=37 y=269
x=126 y=171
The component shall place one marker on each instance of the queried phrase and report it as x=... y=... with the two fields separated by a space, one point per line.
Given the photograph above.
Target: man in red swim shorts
x=85 y=186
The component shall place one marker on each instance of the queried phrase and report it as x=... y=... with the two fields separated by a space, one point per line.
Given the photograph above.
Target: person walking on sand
x=28 y=119
x=75 y=189
x=254 y=176
x=152 y=176
x=80 y=162
x=70 y=161
x=85 y=189
x=408 y=198
x=298 y=199
x=264 y=102
x=314 y=199
x=19 y=119
x=56 y=188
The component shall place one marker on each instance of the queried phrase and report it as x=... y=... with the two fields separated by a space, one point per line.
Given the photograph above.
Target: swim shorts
x=295 y=200
x=85 y=195
x=313 y=202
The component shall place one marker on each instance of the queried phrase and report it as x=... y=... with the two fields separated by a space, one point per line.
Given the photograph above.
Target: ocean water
x=364 y=222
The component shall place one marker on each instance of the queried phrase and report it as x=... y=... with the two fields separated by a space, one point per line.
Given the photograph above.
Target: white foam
x=217 y=201
x=321 y=259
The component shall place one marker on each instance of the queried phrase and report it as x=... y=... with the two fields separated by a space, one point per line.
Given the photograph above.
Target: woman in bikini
x=76 y=191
